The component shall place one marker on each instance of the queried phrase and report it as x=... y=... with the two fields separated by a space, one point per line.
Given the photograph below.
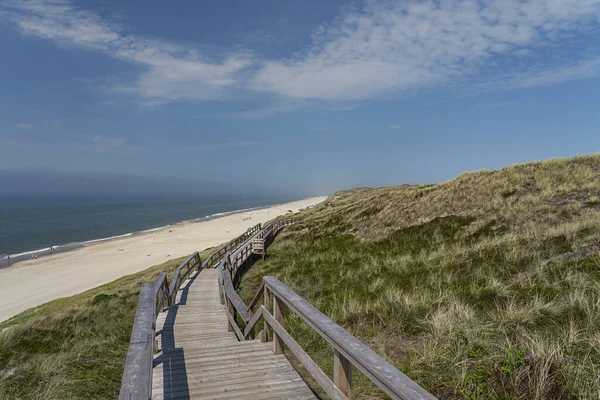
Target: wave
x=106 y=238
x=29 y=252
x=155 y=229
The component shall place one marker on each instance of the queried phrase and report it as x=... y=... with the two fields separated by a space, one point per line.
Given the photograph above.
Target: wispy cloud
x=23 y=126
x=170 y=72
x=195 y=147
x=553 y=75
x=394 y=126
x=380 y=49
x=392 y=46
x=287 y=106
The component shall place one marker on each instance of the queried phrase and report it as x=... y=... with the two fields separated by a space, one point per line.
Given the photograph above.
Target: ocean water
x=33 y=222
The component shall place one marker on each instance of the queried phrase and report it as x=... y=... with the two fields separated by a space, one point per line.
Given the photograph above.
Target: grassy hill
x=485 y=286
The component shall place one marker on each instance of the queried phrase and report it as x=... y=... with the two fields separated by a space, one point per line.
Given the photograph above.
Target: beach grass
x=74 y=347
x=483 y=287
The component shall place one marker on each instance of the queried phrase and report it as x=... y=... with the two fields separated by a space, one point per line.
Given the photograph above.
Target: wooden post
x=252 y=333
x=278 y=314
x=342 y=372
x=265 y=336
x=159 y=295
x=231 y=311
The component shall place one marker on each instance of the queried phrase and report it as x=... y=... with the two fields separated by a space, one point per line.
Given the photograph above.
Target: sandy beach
x=30 y=283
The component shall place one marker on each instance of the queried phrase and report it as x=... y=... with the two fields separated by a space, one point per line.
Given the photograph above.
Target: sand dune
x=30 y=283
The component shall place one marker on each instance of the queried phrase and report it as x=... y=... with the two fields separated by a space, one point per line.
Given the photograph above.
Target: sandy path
x=33 y=282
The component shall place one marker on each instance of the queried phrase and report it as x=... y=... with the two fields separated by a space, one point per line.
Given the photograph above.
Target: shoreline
x=31 y=282
x=13 y=259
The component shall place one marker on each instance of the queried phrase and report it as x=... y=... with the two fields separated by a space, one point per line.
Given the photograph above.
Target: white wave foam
x=107 y=238
x=155 y=229
x=30 y=252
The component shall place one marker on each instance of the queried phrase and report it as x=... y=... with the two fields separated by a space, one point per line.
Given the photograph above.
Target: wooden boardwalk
x=201 y=349
x=200 y=359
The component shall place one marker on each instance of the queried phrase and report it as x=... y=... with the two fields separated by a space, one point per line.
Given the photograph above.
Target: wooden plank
x=266 y=385
x=227 y=369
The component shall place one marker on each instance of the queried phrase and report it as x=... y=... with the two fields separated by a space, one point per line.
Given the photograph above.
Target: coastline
x=31 y=282
x=13 y=259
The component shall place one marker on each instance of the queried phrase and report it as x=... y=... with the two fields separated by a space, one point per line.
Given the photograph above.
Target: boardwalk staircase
x=196 y=338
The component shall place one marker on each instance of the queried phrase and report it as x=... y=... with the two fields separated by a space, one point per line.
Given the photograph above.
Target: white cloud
x=286 y=106
x=394 y=126
x=383 y=48
x=170 y=72
x=393 y=46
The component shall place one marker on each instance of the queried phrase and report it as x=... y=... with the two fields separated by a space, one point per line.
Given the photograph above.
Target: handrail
x=137 y=375
x=393 y=382
x=161 y=292
x=226 y=289
x=234 y=297
x=227 y=247
x=177 y=278
x=348 y=350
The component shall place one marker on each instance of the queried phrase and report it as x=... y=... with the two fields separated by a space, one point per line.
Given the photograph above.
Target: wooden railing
x=154 y=298
x=348 y=351
x=229 y=266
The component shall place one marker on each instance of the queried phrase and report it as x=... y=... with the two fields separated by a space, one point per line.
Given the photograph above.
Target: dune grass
x=483 y=287
x=74 y=347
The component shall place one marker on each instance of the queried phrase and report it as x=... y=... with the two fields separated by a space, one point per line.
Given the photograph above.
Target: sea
x=38 y=224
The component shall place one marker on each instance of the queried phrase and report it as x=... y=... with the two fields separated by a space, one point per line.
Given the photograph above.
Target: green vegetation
x=74 y=347
x=483 y=287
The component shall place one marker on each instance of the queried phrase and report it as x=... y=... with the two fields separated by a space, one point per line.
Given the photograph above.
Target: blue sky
x=303 y=97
